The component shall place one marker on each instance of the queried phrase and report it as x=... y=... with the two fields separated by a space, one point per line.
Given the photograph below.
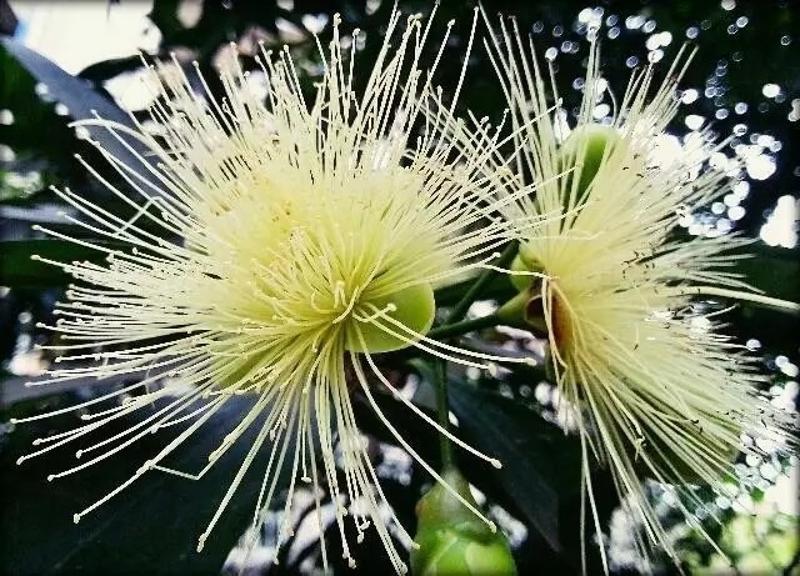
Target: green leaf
x=536 y=456
x=80 y=98
x=50 y=157
x=774 y=270
x=499 y=288
x=540 y=478
x=106 y=69
x=150 y=528
x=164 y=15
x=541 y=466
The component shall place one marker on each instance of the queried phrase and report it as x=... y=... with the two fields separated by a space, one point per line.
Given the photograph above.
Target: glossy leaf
x=150 y=528
x=499 y=288
x=529 y=449
x=80 y=98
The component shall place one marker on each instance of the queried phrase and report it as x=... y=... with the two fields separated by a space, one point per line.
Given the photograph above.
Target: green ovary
x=414 y=307
x=522 y=281
x=587 y=146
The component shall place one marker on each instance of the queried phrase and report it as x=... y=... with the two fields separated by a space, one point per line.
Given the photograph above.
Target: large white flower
x=275 y=247
x=659 y=391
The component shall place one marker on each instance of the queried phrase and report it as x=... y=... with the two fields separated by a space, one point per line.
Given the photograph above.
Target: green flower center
x=414 y=307
x=585 y=150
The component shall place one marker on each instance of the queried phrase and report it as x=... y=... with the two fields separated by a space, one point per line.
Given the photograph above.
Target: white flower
x=274 y=248
x=661 y=391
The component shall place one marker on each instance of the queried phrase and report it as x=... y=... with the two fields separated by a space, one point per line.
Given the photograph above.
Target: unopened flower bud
x=452 y=540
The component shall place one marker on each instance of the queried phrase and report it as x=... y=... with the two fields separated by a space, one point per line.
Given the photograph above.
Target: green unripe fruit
x=586 y=148
x=415 y=307
x=452 y=540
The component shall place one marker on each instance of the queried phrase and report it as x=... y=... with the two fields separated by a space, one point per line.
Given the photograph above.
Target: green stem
x=458 y=328
x=443 y=411
x=454 y=325
x=460 y=309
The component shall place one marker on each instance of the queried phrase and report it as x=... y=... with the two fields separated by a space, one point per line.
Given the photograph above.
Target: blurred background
x=744 y=83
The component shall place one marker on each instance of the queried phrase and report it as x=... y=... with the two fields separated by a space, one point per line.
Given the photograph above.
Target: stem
x=443 y=411
x=460 y=309
x=454 y=325
x=458 y=328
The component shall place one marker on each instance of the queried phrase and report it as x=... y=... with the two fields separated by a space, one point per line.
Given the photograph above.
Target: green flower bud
x=414 y=306
x=452 y=540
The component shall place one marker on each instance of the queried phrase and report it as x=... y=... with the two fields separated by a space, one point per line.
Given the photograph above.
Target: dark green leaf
x=536 y=456
x=106 y=69
x=541 y=466
x=776 y=271
x=79 y=97
x=150 y=528
x=18 y=269
x=499 y=288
